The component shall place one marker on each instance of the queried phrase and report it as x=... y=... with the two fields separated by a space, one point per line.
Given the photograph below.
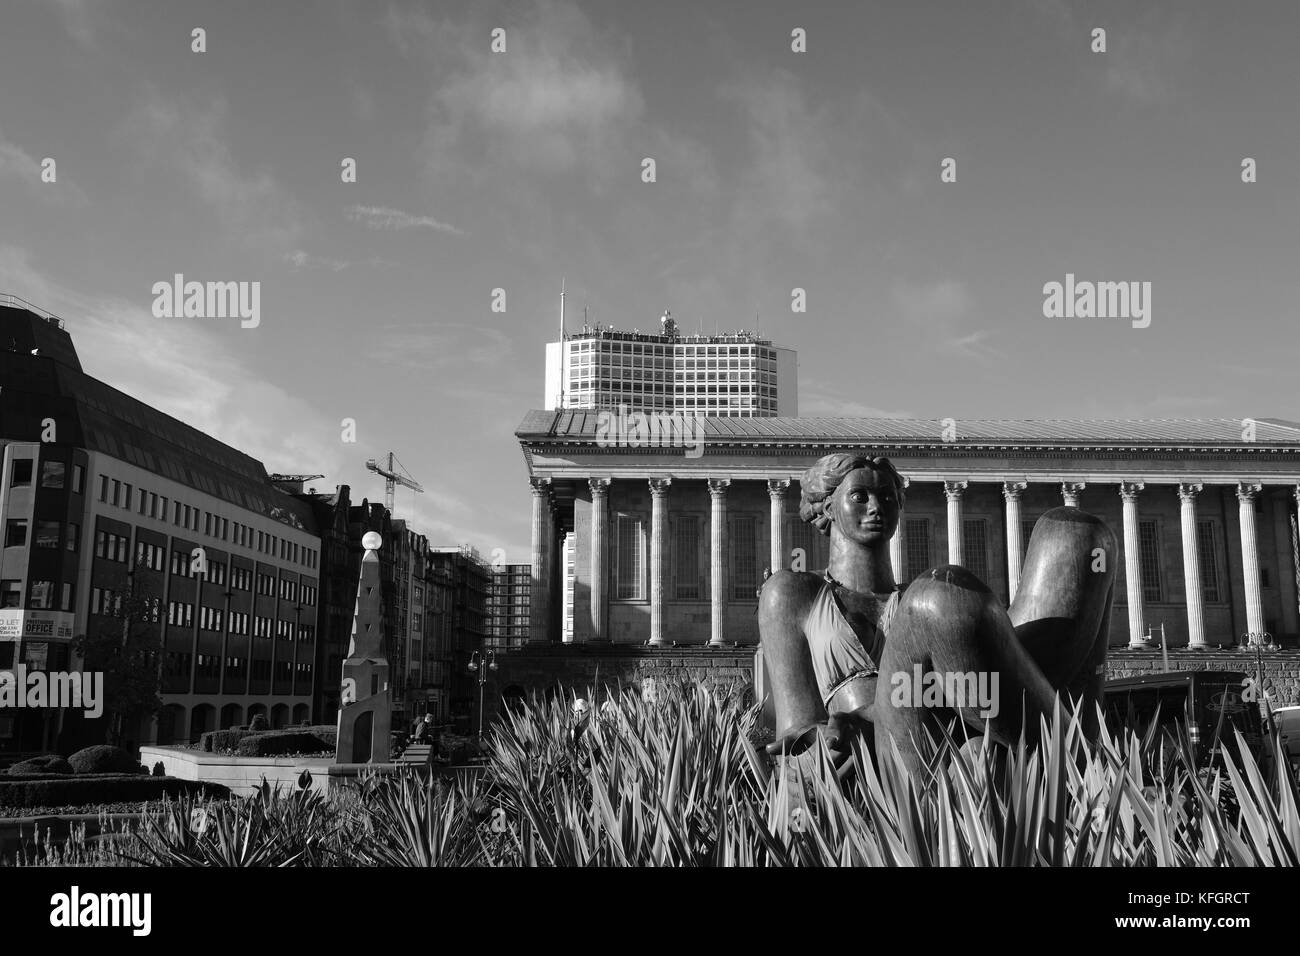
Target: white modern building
x=734 y=374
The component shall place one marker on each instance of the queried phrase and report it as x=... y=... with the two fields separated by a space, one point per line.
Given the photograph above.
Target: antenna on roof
x=563 y=350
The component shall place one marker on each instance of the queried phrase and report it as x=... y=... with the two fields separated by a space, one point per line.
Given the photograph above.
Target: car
x=1287 y=722
x=1213 y=703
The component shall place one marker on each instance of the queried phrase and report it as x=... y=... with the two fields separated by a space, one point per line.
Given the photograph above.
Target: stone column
x=1011 y=492
x=776 y=489
x=1187 y=492
x=954 y=490
x=1128 y=491
x=1071 y=491
x=599 y=566
x=658 y=553
x=539 y=592
x=1246 y=494
x=717 y=559
x=898 y=543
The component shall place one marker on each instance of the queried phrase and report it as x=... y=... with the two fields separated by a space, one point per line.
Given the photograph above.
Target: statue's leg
x=1061 y=611
x=952 y=633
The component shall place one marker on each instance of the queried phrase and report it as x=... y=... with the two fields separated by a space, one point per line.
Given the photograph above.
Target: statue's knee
x=945 y=595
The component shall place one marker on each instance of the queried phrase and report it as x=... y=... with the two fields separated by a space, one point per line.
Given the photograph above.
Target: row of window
x=122 y=494
x=53 y=474
x=176 y=664
x=48 y=534
x=689 y=562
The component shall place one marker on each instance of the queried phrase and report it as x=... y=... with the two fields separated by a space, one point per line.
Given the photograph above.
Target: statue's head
x=860 y=495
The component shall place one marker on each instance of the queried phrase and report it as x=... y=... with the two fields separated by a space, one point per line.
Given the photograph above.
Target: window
x=11 y=593
x=42 y=595
x=743 y=532
x=52 y=473
x=47 y=534
x=21 y=474
x=809 y=549
x=1026 y=532
x=78 y=479
x=1264 y=581
x=975 y=547
x=127 y=491
x=74 y=537
x=629 y=556
x=16 y=533
x=1208 y=551
x=1149 y=554
x=66 y=604
x=117 y=492
x=103 y=488
x=687 y=566
x=918 y=547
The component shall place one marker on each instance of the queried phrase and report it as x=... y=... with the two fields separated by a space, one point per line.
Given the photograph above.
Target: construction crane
x=298 y=480
x=392 y=479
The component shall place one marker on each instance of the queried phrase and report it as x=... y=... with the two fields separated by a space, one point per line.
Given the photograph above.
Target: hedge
x=102 y=758
x=285 y=742
x=112 y=788
x=219 y=741
x=48 y=764
x=215 y=741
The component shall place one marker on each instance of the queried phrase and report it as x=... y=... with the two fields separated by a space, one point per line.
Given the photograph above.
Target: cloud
x=814 y=403
x=944 y=309
x=18 y=165
x=76 y=17
x=252 y=208
x=447 y=347
x=557 y=101
x=384 y=217
x=305 y=260
x=181 y=369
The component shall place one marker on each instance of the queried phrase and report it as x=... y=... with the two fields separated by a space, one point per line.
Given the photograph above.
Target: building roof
x=579 y=426
x=98 y=417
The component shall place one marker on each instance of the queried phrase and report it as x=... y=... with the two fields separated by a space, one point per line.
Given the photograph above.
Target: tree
x=129 y=656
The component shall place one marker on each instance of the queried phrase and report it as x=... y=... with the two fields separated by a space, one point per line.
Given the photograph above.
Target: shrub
x=159 y=770
x=285 y=742
x=103 y=758
x=258 y=723
x=75 y=791
x=218 y=741
x=48 y=764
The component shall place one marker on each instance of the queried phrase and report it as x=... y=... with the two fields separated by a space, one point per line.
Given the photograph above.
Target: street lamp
x=491 y=662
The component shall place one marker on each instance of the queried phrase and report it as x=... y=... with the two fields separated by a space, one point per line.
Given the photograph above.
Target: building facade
x=734 y=374
x=103 y=497
x=508 y=607
x=671 y=549
x=463 y=582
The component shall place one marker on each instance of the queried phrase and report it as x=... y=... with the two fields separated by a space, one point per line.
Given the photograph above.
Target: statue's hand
x=838 y=733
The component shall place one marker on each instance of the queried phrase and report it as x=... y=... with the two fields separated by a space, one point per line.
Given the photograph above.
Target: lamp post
x=482 y=668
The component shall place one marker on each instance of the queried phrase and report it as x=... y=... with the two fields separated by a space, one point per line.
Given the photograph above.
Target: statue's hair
x=820 y=481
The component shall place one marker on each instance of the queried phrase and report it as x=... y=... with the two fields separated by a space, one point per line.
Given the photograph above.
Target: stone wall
x=576 y=667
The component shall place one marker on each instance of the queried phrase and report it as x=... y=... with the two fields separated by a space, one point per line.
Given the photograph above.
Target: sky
x=775 y=170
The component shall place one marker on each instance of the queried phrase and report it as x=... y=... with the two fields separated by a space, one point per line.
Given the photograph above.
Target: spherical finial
x=372 y=541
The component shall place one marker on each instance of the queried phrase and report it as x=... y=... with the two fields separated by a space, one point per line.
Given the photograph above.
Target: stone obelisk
x=365 y=705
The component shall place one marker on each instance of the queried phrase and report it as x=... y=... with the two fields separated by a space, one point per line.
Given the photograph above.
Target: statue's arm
x=782 y=608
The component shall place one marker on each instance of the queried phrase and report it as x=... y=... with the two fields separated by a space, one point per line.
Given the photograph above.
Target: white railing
x=16 y=302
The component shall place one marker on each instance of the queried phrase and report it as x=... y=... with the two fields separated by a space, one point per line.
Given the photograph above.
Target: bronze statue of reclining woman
x=847 y=649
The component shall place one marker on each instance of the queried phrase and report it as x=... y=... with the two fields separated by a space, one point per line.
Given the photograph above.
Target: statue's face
x=865 y=507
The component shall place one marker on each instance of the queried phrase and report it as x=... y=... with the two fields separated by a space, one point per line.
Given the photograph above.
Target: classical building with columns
x=669 y=544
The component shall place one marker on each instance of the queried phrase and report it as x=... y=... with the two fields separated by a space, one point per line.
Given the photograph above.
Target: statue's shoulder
x=787 y=588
